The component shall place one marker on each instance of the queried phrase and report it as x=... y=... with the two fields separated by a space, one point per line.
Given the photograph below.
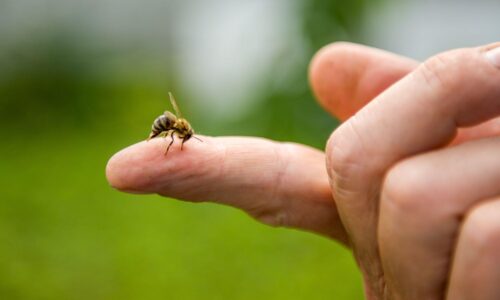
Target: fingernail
x=493 y=56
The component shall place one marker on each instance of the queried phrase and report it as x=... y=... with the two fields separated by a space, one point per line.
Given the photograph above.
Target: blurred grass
x=65 y=234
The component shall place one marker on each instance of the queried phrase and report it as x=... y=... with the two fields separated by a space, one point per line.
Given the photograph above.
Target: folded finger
x=423 y=201
x=475 y=273
x=281 y=184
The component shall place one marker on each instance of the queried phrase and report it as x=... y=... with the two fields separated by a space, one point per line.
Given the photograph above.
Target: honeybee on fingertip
x=170 y=124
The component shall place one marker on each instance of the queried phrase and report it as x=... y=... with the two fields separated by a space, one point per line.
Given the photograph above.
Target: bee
x=170 y=124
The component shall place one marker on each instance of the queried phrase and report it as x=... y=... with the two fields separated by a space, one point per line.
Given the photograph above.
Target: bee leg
x=171 y=142
x=198 y=139
x=151 y=135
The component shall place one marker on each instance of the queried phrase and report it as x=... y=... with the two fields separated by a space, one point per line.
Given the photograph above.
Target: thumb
x=345 y=77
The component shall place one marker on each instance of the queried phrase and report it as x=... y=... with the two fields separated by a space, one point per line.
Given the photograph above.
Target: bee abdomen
x=162 y=123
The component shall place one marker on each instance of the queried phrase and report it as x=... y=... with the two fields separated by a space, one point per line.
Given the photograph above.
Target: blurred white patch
x=420 y=29
x=224 y=48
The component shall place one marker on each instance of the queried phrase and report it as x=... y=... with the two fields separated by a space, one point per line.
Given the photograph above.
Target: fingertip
x=132 y=169
x=344 y=77
x=120 y=171
x=330 y=78
x=111 y=172
x=144 y=167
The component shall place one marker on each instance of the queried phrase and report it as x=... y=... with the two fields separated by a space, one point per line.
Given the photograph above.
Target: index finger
x=281 y=184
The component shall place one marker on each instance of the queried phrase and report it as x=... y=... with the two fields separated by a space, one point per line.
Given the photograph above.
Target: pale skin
x=412 y=176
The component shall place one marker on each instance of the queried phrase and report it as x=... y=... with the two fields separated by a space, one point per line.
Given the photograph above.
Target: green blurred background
x=80 y=80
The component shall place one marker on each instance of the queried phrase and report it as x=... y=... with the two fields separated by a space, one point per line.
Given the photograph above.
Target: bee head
x=189 y=134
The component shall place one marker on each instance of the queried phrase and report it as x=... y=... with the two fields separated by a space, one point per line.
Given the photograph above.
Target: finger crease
x=283 y=157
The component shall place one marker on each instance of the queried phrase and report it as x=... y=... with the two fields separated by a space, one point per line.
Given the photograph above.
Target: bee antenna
x=198 y=139
x=174 y=105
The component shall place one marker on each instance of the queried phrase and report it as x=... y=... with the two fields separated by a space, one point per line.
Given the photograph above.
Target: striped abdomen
x=161 y=124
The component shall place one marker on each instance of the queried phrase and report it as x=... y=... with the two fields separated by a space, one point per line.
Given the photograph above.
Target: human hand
x=420 y=206
x=278 y=183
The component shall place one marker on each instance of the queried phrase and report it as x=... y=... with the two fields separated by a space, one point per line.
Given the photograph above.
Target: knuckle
x=407 y=189
x=345 y=153
x=435 y=71
x=276 y=212
x=482 y=230
x=446 y=70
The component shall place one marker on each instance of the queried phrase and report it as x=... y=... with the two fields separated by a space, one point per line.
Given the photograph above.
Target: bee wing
x=170 y=116
x=174 y=105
